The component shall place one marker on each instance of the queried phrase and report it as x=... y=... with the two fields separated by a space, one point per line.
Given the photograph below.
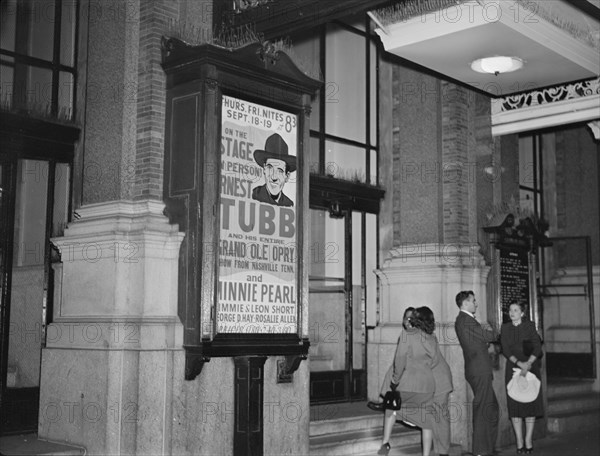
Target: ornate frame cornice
x=552 y=106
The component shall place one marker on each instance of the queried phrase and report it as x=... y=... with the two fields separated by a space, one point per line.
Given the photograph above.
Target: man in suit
x=474 y=341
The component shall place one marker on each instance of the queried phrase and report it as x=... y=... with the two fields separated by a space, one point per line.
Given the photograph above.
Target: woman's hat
x=523 y=388
x=275 y=147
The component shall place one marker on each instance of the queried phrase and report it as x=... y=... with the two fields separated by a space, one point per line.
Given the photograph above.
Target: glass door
x=34 y=207
x=337 y=311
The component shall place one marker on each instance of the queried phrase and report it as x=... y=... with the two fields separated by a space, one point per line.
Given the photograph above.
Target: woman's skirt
x=417 y=409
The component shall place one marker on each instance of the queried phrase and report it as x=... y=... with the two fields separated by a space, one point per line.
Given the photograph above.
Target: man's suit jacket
x=474 y=340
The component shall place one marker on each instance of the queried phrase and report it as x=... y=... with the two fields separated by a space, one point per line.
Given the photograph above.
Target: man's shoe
x=377 y=406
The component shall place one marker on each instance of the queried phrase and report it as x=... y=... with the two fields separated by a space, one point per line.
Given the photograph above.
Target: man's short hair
x=462 y=296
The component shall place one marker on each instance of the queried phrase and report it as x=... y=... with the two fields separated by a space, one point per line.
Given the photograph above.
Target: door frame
x=20 y=404
x=341 y=198
x=348 y=384
x=26 y=138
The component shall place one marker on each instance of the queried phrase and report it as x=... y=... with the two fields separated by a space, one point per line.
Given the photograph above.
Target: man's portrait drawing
x=277 y=165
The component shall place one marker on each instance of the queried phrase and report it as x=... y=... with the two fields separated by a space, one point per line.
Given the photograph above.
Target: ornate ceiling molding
x=537 y=109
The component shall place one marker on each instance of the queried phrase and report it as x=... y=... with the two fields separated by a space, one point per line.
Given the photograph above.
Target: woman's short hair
x=423 y=319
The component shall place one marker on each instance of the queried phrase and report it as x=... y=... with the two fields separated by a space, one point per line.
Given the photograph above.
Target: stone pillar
x=112 y=369
x=441 y=141
x=109 y=100
x=108 y=366
x=106 y=375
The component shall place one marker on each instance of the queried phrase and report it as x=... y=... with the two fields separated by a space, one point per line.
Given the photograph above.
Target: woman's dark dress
x=513 y=339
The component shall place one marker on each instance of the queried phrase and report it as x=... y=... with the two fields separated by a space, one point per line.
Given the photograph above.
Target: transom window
x=530 y=175
x=344 y=115
x=38 y=56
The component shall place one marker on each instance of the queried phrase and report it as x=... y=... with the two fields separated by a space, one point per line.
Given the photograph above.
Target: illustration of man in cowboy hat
x=277 y=165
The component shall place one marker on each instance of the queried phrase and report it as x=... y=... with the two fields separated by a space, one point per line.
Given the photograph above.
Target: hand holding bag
x=523 y=388
x=392 y=400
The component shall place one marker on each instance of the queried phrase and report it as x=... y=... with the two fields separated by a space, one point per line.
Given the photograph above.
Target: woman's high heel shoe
x=385 y=449
x=528 y=450
x=520 y=450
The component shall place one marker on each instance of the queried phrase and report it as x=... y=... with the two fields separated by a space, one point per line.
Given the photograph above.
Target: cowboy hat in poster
x=257 y=289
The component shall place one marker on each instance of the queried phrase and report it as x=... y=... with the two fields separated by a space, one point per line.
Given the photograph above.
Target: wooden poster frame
x=198 y=77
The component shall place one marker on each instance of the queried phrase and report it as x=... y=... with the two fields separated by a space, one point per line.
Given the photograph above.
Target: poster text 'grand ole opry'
x=214 y=213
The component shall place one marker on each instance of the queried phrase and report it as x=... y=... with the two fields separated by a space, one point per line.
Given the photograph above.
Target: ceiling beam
x=280 y=18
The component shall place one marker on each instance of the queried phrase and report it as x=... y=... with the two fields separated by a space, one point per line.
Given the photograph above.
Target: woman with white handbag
x=522 y=347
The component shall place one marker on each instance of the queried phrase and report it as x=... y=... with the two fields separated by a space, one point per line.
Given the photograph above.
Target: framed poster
x=257 y=291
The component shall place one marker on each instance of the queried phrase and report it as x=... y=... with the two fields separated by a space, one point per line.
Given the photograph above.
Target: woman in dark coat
x=385 y=386
x=416 y=354
x=522 y=347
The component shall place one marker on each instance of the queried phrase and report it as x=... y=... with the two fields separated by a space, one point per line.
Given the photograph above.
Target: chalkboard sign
x=514 y=279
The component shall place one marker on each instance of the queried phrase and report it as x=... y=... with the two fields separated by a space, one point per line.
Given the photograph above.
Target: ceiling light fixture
x=496 y=65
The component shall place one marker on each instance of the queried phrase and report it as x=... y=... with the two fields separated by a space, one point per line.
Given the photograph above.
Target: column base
x=112 y=349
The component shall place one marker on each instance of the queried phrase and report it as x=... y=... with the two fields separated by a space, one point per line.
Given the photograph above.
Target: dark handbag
x=392 y=401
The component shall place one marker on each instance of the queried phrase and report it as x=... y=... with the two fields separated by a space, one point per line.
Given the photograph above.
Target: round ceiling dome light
x=497 y=65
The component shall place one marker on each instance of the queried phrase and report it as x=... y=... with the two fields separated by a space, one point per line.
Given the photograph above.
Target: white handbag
x=523 y=388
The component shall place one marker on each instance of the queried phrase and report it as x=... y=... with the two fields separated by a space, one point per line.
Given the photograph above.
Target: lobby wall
x=112 y=376
x=447 y=170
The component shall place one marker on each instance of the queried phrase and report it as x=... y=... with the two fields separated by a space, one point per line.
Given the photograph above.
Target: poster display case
x=236 y=182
